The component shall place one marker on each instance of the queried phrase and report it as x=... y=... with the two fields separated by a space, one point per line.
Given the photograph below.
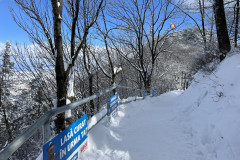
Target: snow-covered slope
x=211 y=109
x=202 y=123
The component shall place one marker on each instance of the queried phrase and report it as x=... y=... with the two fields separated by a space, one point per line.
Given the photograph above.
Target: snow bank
x=211 y=110
x=97 y=117
x=94 y=119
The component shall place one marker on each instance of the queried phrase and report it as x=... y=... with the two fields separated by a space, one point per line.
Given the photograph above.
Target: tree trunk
x=7 y=124
x=202 y=11
x=113 y=81
x=61 y=77
x=70 y=97
x=221 y=27
x=61 y=101
x=236 y=25
x=87 y=65
x=98 y=88
x=8 y=128
x=90 y=79
x=147 y=84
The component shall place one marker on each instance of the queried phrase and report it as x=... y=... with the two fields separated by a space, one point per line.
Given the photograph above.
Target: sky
x=9 y=31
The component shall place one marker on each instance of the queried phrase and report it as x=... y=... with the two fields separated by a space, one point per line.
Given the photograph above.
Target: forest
x=80 y=47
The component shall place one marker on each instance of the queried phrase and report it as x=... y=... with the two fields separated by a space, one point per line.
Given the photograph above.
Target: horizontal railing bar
x=82 y=101
x=130 y=88
x=128 y=101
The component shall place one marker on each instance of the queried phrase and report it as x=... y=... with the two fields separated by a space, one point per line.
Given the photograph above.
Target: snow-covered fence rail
x=44 y=121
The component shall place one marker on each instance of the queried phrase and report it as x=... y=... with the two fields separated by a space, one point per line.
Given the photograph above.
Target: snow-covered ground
x=202 y=123
x=143 y=130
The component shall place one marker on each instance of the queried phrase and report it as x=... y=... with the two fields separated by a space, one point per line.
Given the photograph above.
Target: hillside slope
x=201 y=123
x=211 y=109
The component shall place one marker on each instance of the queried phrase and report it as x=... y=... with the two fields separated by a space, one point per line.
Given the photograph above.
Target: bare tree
x=53 y=27
x=88 y=67
x=110 y=68
x=143 y=33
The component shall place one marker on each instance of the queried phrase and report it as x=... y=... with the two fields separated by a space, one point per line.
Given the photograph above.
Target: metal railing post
x=135 y=92
x=46 y=132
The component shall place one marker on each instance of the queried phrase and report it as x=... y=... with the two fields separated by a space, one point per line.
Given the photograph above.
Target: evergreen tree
x=38 y=91
x=6 y=102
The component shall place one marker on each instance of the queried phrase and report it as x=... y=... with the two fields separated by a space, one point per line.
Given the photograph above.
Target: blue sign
x=145 y=94
x=154 y=93
x=75 y=157
x=67 y=144
x=112 y=104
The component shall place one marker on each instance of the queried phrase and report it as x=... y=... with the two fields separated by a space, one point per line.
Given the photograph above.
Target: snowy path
x=143 y=132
